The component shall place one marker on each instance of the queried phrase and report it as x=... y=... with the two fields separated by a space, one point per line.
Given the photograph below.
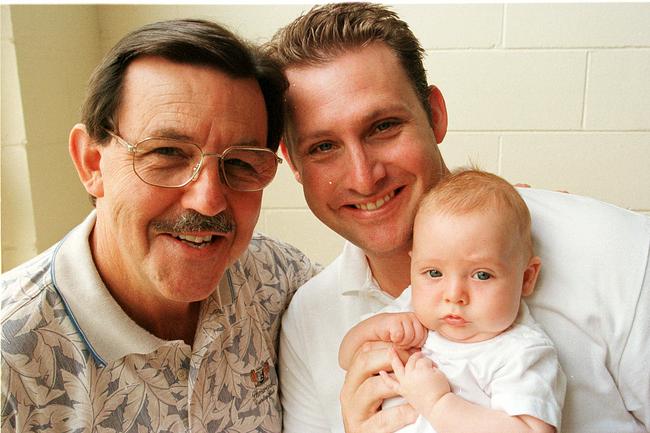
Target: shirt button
x=182 y=374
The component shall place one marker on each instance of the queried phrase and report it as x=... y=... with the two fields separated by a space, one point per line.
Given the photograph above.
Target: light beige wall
x=56 y=49
x=555 y=95
x=18 y=230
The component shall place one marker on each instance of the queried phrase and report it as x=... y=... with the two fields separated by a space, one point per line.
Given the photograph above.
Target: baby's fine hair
x=468 y=190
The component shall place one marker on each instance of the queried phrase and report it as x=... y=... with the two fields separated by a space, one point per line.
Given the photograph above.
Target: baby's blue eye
x=482 y=275
x=434 y=273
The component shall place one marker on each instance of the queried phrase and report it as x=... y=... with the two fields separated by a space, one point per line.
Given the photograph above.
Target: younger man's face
x=362 y=146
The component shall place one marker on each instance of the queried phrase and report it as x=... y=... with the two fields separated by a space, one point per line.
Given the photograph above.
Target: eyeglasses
x=174 y=163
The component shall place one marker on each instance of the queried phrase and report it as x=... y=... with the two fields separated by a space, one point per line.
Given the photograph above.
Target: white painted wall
x=556 y=95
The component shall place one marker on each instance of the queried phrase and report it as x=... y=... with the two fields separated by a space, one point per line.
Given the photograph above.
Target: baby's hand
x=404 y=330
x=420 y=381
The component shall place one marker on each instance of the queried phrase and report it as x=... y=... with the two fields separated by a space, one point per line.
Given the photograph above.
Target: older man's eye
x=322 y=147
x=168 y=151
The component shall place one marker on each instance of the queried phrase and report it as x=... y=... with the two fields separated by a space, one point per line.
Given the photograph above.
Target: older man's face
x=138 y=249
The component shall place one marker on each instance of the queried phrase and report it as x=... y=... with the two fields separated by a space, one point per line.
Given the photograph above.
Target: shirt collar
x=355 y=276
x=107 y=330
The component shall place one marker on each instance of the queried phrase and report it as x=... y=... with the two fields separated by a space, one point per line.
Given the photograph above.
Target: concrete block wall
x=56 y=48
x=18 y=233
x=555 y=95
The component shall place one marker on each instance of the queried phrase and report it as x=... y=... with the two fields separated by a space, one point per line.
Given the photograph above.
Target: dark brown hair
x=329 y=30
x=194 y=42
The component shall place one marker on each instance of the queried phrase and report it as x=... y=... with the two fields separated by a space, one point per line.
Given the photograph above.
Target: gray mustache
x=192 y=221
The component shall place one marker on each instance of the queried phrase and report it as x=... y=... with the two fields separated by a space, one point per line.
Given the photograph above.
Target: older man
x=362 y=138
x=160 y=312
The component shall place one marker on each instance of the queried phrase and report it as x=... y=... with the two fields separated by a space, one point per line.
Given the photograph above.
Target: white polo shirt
x=592 y=299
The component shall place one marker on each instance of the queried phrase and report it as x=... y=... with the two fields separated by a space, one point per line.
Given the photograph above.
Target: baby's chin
x=473 y=337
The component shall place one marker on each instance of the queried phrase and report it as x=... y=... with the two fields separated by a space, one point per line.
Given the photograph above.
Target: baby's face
x=466 y=274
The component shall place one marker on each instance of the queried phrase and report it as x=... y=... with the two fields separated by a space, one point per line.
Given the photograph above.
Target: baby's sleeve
x=530 y=382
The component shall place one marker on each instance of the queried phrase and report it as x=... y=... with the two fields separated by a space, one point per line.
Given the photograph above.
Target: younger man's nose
x=365 y=170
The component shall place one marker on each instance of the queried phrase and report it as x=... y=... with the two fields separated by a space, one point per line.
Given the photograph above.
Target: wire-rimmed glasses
x=174 y=163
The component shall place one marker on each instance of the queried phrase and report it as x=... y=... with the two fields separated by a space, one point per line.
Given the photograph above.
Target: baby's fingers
x=389 y=381
x=420 y=335
x=418 y=361
x=396 y=363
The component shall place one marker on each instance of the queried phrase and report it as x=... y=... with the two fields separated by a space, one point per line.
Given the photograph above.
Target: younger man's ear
x=438 y=113
x=86 y=155
x=530 y=276
x=287 y=157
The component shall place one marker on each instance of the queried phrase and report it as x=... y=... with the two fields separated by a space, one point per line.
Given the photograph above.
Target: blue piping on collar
x=98 y=359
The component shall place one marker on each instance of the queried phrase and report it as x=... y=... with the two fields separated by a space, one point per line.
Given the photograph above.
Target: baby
x=485 y=365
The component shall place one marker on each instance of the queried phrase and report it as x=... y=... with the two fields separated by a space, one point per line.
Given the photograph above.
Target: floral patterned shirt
x=73 y=361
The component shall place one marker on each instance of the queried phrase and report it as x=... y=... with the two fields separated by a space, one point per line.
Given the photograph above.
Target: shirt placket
x=208 y=342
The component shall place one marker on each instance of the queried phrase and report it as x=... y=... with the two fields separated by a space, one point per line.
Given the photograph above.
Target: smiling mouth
x=374 y=205
x=195 y=241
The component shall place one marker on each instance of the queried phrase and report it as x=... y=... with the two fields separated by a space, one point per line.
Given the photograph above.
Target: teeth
x=195 y=239
x=377 y=204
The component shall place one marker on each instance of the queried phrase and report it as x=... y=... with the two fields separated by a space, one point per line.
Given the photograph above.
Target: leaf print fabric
x=53 y=380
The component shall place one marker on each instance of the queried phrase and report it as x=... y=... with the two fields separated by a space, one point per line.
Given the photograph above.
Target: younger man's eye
x=482 y=275
x=434 y=273
x=385 y=125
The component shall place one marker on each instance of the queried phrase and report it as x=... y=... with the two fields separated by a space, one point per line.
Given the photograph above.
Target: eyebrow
x=170 y=133
x=386 y=111
x=177 y=135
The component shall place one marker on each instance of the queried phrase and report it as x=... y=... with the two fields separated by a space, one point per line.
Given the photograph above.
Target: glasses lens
x=249 y=169
x=165 y=162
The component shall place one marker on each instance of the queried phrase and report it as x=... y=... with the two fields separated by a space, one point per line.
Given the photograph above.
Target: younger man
x=362 y=133
x=471 y=264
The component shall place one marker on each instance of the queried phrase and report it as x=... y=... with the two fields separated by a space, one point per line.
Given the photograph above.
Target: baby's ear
x=530 y=276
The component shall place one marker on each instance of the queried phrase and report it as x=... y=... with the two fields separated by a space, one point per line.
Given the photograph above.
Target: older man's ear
x=86 y=156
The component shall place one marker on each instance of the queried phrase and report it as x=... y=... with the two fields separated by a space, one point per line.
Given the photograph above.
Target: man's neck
x=392 y=272
x=163 y=318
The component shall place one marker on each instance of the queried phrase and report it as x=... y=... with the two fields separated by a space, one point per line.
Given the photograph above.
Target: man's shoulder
x=319 y=293
x=572 y=209
x=574 y=233
x=266 y=248
x=347 y=273
x=592 y=300
x=23 y=283
x=272 y=265
x=325 y=280
x=30 y=303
